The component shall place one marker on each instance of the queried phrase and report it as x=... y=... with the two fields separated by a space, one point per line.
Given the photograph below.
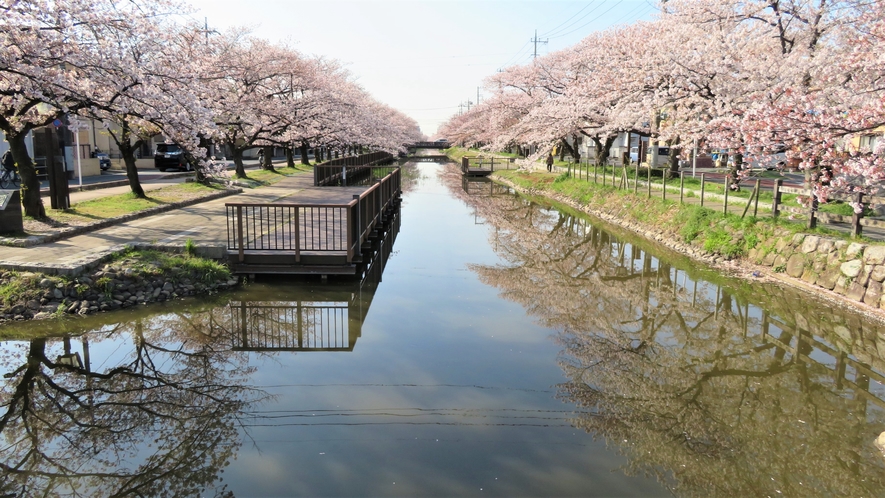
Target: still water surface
x=501 y=347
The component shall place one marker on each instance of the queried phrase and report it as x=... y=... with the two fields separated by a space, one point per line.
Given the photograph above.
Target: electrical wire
x=518 y=53
x=590 y=22
x=567 y=20
x=648 y=7
x=556 y=33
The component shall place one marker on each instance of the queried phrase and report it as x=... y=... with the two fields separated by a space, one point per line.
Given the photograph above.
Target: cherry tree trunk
x=268 y=157
x=237 y=154
x=30 y=189
x=128 y=152
x=304 y=159
x=290 y=158
x=603 y=148
x=673 y=160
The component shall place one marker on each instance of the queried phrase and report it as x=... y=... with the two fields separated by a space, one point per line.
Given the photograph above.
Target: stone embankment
x=850 y=269
x=112 y=287
x=832 y=267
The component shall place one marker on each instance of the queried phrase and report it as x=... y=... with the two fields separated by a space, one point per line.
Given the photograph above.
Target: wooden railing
x=476 y=163
x=648 y=179
x=337 y=171
x=316 y=228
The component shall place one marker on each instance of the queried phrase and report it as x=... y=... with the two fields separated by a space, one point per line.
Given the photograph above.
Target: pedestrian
x=7 y=161
x=550 y=162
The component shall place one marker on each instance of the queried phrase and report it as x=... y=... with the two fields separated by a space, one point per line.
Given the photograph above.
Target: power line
x=510 y=60
x=567 y=20
x=558 y=31
x=590 y=22
x=633 y=17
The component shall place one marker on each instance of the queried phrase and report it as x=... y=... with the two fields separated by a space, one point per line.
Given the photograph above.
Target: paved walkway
x=204 y=223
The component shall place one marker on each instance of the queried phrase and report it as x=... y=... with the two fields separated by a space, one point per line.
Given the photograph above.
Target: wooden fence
x=623 y=179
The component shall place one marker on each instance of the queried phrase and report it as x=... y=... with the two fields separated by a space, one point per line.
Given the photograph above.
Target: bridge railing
x=430 y=145
x=299 y=228
x=337 y=171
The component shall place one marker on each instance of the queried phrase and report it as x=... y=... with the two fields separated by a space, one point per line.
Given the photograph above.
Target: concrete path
x=204 y=223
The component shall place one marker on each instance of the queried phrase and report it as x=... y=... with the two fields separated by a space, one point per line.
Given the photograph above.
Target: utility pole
x=477 y=95
x=469 y=103
x=460 y=108
x=206 y=29
x=535 y=40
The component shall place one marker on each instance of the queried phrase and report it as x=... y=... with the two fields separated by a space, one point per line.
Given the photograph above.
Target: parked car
x=170 y=156
x=104 y=160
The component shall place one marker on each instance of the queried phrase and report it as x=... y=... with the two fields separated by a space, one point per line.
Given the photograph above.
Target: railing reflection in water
x=330 y=320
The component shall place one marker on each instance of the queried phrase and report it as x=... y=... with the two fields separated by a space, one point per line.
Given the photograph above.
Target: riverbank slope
x=819 y=261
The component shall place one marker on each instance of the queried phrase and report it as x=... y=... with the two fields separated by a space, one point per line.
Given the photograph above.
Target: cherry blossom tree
x=754 y=78
x=100 y=58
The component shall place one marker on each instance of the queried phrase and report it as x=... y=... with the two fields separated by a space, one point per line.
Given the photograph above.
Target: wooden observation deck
x=325 y=237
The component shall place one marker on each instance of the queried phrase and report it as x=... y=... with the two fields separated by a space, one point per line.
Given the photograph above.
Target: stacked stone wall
x=851 y=269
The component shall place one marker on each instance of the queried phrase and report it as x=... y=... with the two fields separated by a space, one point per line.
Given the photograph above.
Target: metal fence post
x=240 y=233
x=297 y=234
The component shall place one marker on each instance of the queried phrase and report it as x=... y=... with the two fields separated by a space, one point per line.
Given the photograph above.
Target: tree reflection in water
x=160 y=417
x=723 y=390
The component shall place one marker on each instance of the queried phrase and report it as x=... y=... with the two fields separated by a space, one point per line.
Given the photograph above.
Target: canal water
x=497 y=346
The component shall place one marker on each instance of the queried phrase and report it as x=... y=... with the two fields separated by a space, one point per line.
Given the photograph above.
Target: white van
x=663 y=156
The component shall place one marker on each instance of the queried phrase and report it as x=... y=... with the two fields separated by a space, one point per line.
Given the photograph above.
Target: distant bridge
x=439 y=144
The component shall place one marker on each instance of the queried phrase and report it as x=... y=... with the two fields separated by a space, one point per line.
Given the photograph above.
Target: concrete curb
x=44 y=192
x=74 y=231
x=99 y=257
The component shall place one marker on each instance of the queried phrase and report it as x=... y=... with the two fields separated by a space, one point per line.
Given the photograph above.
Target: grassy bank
x=130 y=278
x=726 y=235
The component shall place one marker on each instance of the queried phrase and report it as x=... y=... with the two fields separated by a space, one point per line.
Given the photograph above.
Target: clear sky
x=423 y=57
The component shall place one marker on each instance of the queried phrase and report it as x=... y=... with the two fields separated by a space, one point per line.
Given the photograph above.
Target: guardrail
x=298 y=228
x=338 y=171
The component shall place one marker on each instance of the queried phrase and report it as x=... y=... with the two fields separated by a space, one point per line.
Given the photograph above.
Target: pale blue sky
x=423 y=57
